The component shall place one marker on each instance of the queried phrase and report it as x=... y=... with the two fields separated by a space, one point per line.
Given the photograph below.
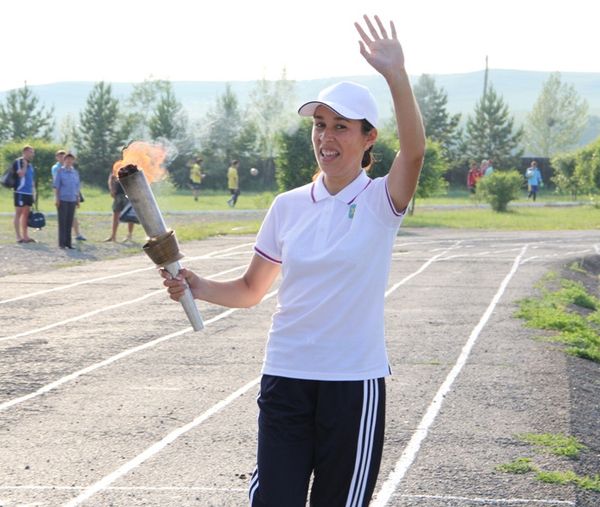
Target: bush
x=499 y=188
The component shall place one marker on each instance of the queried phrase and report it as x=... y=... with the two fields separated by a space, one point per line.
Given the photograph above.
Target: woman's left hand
x=382 y=51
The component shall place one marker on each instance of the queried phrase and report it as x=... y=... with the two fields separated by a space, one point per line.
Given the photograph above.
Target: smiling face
x=339 y=145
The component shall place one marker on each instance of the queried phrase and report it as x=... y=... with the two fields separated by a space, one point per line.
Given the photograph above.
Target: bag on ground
x=36 y=220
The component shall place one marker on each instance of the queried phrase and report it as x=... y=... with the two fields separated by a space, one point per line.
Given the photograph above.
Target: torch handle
x=187 y=300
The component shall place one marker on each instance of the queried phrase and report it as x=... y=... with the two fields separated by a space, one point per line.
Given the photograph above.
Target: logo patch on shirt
x=351 y=210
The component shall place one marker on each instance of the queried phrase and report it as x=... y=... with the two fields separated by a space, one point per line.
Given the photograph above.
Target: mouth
x=328 y=155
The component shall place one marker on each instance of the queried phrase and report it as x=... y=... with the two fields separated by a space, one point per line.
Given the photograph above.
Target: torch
x=162 y=246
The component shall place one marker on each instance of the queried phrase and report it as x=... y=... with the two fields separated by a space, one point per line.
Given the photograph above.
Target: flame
x=147 y=157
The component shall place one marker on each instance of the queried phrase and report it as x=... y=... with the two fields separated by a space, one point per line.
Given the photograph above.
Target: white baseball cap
x=350 y=100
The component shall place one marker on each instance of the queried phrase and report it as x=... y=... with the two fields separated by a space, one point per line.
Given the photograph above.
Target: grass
x=569 y=310
x=525 y=218
x=517 y=219
x=559 y=445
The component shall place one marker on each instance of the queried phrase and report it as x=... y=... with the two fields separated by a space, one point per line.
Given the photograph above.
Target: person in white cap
x=322 y=396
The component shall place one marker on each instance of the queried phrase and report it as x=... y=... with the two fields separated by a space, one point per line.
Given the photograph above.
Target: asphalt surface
x=108 y=399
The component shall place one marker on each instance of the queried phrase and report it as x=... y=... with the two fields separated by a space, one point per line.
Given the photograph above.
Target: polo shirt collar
x=348 y=194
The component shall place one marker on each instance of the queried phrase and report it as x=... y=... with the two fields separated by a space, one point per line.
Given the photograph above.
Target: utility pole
x=485 y=78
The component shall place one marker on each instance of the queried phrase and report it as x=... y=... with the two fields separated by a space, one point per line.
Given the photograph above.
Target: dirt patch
x=37 y=257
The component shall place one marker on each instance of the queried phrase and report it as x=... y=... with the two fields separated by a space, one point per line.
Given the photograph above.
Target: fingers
x=376 y=33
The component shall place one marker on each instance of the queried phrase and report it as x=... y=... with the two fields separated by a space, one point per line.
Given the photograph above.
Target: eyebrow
x=336 y=118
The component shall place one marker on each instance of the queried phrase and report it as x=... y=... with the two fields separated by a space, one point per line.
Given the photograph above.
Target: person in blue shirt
x=23 y=193
x=66 y=190
x=60 y=157
x=534 y=179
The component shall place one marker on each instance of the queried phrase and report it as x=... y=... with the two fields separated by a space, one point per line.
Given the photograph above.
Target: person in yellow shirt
x=233 y=182
x=196 y=177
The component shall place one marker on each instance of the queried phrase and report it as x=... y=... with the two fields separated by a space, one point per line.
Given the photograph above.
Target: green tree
x=270 y=112
x=23 y=117
x=565 y=178
x=490 y=133
x=169 y=123
x=431 y=179
x=100 y=136
x=142 y=103
x=557 y=120
x=440 y=125
x=296 y=163
x=219 y=135
x=587 y=167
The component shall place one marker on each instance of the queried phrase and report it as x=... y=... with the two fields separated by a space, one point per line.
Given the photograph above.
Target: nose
x=326 y=133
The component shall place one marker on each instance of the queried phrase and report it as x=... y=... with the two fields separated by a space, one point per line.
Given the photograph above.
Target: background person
x=24 y=194
x=59 y=156
x=196 y=177
x=233 y=182
x=534 y=179
x=66 y=190
x=323 y=389
x=119 y=202
x=473 y=177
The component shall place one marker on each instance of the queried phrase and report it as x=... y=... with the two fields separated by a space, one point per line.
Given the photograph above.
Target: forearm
x=404 y=173
x=232 y=294
x=411 y=132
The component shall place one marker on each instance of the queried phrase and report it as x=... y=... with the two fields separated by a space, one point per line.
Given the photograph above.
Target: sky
x=224 y=40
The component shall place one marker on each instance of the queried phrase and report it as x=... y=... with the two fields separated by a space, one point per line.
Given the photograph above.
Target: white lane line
x=117 y=357
x=489 y=501
x=421 y=269
x=214 y=489
x=33 y=487
x=158 y=446
x=103 y=309
x=209 y=255
x=410 y=453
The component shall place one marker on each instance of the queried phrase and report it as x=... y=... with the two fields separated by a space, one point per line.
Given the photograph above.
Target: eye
x=319 y=125
x=340 y=126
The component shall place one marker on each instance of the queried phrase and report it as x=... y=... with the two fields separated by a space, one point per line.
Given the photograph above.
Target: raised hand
x=382 y=51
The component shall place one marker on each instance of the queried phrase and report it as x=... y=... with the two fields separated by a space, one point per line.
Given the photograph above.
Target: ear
x=371 y=138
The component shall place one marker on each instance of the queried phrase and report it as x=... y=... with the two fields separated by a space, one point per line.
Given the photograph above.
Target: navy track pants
x=330 y=430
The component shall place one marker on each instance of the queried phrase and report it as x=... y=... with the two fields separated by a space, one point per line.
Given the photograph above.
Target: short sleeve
x=268 y=244
x=382 y=205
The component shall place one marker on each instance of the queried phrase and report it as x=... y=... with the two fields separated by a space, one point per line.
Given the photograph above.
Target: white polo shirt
x=335 y=254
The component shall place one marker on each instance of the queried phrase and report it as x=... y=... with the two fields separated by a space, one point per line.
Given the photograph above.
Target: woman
x=322 y=397
x=67 y=191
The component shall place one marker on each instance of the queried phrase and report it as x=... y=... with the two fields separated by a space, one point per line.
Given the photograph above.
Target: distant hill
x=519 y=89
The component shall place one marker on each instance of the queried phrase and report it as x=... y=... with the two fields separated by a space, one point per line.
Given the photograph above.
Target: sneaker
x=80 y=237
x=109 y=239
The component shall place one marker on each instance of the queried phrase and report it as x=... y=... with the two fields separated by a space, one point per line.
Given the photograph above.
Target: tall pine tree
x=490 y=133
x=100 y=136
x=23 y=117
x=168 y=122
x=440 y=125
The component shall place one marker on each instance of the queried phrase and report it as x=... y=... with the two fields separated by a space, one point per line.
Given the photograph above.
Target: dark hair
x=367 y=159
